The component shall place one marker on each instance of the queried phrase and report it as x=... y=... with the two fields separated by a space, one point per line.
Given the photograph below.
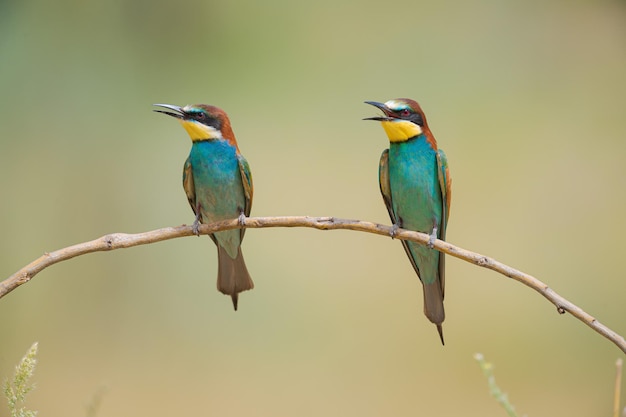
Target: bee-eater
x=415 y=184
x=218 y=184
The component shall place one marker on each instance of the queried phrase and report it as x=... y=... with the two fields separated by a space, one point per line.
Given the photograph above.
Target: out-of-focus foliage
x=526 y=97
x=17 y=388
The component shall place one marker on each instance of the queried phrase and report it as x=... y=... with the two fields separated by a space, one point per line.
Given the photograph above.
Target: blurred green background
x=526 y=97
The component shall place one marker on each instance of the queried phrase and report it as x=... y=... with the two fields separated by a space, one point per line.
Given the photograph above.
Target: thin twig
x=123 y=240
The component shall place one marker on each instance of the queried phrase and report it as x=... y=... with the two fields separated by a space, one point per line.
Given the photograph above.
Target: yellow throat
x=198 y=131
x=400 y=130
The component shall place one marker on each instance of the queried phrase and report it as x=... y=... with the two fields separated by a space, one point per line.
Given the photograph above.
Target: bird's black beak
x=176 y=111
x=384 y=109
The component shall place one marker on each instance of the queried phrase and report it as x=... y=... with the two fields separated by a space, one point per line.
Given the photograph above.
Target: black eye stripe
x=204 y=118
x=409 y=114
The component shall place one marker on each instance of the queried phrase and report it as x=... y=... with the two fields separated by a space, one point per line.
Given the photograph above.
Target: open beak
x=388 y=114
x=176 y=111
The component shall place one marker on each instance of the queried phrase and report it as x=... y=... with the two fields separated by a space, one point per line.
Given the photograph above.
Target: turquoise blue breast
x=416 y=196
x=218 y=186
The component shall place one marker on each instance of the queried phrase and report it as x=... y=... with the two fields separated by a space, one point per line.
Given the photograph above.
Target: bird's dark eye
x=405 y=113
x=200 y=116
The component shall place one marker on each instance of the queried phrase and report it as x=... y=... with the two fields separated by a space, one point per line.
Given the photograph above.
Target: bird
x=415 y=184
x=218 y=183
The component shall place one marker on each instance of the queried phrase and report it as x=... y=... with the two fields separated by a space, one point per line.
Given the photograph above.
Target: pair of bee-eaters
x=413 y=175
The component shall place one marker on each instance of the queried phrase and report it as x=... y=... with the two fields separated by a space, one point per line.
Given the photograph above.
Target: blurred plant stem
x=618 y=387
x=93 y=406
x=494 y=390
x=16 y=390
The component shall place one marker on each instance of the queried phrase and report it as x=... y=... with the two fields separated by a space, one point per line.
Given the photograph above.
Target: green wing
x=248 y=189
x=385 y=190
x=445 y=183
x=189 y=186
x=383 y=181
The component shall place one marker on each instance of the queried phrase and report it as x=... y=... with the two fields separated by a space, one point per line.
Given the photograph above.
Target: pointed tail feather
x=433 y=306
x=440 y=330
x=232 y=275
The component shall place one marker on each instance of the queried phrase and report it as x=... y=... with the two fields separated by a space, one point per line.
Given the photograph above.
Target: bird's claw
x=394 y=231
x=195 y=227
x=242 y=219
x=432 y=238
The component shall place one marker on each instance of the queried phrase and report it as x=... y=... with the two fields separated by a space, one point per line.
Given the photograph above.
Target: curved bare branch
x=123 y=240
